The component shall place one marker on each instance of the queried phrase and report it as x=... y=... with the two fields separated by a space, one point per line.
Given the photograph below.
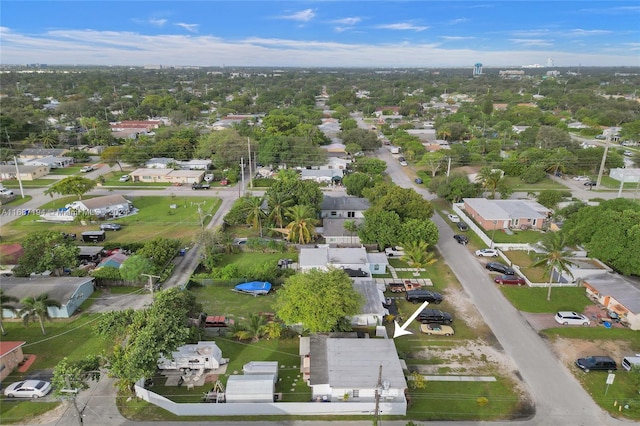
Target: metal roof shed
x=250 y=388
x=261 y=368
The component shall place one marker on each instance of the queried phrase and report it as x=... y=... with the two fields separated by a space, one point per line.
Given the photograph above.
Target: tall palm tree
x=278 y=204
x=252 y=206
x=5 y=303
x=252 y=328
x=417 y=255
x=302 y=228
x=555 y=256
x=38 y=307
x=490 y=179
x=351 y=227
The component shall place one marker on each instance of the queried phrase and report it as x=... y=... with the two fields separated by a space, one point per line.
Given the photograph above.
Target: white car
x=580 y=178
x=5 y=191
x=394 y=251
x=208 y=178
x=571 y=318
x=487 y=252
x=404 y=163
x=87 y=169
x=124 y=178
x=453 y=218
x=28 y=389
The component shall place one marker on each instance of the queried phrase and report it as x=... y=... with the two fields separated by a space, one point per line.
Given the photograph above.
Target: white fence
x=350 y=408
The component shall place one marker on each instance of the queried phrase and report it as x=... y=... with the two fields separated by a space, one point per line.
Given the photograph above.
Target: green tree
x=301 y=228
x=160 y=250
x=553 y=137
x=490 y=179
x=318 y=299
x=72 y=185
x=380 y=227
x=47 y=251
x=252 y=206
x=351 y=227
x=366 y=139
x=417 y=255
x=112 y=155
x=75 y=374
x=419 y=230
x=252 y=328
x=434 y=161
x=555 y=256
x=133 y=268
x=356 y=182
x=6 y=304
x=37 y=308
x=550 y=197
x=370 y=165
x=278 y=203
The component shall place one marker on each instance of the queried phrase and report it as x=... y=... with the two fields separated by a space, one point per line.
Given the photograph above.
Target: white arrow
x=402 y=330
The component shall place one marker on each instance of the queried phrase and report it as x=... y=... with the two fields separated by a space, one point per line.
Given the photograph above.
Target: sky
x=325 y=33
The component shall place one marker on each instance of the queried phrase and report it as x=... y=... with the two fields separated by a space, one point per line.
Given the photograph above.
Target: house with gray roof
x=348 y=369
x=337 y=207
x=69 y=291
x=353 y=258
x=334 y=232
x=617 y=293
x=109 y=205
x=506 y=214
x=50 y=161
x=32 y=153
x=372 y=312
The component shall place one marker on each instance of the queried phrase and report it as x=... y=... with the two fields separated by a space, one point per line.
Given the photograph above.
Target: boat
x=254 y=287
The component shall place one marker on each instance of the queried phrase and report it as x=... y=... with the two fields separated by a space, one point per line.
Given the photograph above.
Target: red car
x=509 y=279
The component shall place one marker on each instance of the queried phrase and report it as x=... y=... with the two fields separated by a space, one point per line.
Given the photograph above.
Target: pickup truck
x=197 y=186
x=87 y=169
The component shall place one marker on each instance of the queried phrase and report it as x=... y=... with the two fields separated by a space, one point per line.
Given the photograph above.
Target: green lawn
x=524 y=261
x=19 y=411
x=155 y=218
x=36 y=183
x=535 y=299
x=518 y=185
x=9 y=207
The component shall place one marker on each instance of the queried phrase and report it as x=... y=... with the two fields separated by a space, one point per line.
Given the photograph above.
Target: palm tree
x=278 y=203
x=302 y=228
x=5 y=301
x=417 y=255
x=555 y=256
x=490 y=179
x=351 y=227
x=252 y=206
x=252 y=328
x=38 y=307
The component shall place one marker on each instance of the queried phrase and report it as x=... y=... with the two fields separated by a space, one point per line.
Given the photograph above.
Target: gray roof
x=379 y=258
x=507 y=209
x=44 y=151
x=345 y=203
x=89 y=250
x=252 y=384
x=371 y=295
x=355 y=363
x=60 y=289
x=335 y=227
x=623 y=289
x=325 y=256
x=105 y=201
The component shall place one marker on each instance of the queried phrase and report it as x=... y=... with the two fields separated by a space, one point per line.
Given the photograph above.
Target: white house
x=50 y=161
x=348 y=369
x=354 y=258
x=322 y=176
x=617 y=293
x=337 y=207
x=334 y=232
x=204 y=355
x=109 y=205
x=372 y=313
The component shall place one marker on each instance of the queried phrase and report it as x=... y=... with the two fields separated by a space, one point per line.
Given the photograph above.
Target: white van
x=628 y=362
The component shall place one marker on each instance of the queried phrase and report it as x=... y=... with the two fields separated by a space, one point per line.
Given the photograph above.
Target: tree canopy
x=72 y=185
x=317 y=299
x=47 y=251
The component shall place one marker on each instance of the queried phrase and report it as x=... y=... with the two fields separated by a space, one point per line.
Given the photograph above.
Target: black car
x=590 y=183
x=435 y=316
x=197 y=186
x=461 y=239
x=462 y=226
x=417 y=296
x=356 y=273
x=418 y=181
x=600 y=363
x=499 y=267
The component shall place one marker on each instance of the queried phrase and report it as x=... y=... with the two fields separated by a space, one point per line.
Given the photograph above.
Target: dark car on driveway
x=418 y=181
x=110 y=227
x=461 y=239
x=509 y=279
x=590 y=183
x=462 y=226
x=499 y=267
x=599 y=363
x=417 y=296
x=435 y=316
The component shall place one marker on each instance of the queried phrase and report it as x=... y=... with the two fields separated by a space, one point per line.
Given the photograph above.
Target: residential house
x=372 y=312
x=506 y=214
x=351 y=369
x=324 y=258
x=160 y=163
x=340 y=207
x=335 y=163
x=204 y=355
x=132 y=129
x=617 y=293
x=114 y=261
x=334 y=232
x=106 y=206
x=50 y=161
x=8 y=172
x=327 y=176
x=11 y=356
x=70 y=292
x=167 y=175
x=33 y=153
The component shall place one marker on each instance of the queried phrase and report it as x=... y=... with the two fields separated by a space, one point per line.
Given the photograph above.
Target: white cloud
x=402 y=26
x=581 y=32
x=157 y=22
x=302 y=15
x=347 y=21
x=458 y=21
x=454 y=38
x=531 y=42
x=189 y=27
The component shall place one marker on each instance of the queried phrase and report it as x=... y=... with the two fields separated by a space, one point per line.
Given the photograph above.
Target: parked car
x=461 y=239
x=509 y=279
x=499 y=267
x=487 y=252
x=28 y=389
x=417 y=296
x=208 y=177
x=394 y=251
x=435 y=316
x=404 y=163
x=201 y=185
x=462 y=226
x=581 y=178
x=590 y=183
x=596 y=363
x=396 y=287
x=454 y=218
x=124 y=178
x=418 y=181
x=224 y=182
x=437 y=330
x=6 y=192
x=110 y=227
x=87 y=169
x=571 y=318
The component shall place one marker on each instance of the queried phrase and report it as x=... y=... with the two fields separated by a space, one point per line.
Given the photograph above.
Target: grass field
x=534 y=299
x=155 y=218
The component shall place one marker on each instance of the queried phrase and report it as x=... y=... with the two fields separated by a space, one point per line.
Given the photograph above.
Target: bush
x=263 y=182
x=533 y=174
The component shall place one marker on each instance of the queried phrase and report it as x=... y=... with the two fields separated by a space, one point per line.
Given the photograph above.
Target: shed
x=262 y=367
x=250 y=388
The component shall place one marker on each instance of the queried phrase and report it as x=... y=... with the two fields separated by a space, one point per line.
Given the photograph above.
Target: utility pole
x=151 y=277
x=15 y=161
x=449 y=166
x=378 y=386
x=604 y=159
x=241 y=174
x=250 y=173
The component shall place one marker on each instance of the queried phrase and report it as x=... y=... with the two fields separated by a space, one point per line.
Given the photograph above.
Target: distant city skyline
x=322 y=33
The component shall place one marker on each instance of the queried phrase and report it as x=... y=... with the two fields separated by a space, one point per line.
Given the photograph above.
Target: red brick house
x=503 y=214
x=10 y=357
